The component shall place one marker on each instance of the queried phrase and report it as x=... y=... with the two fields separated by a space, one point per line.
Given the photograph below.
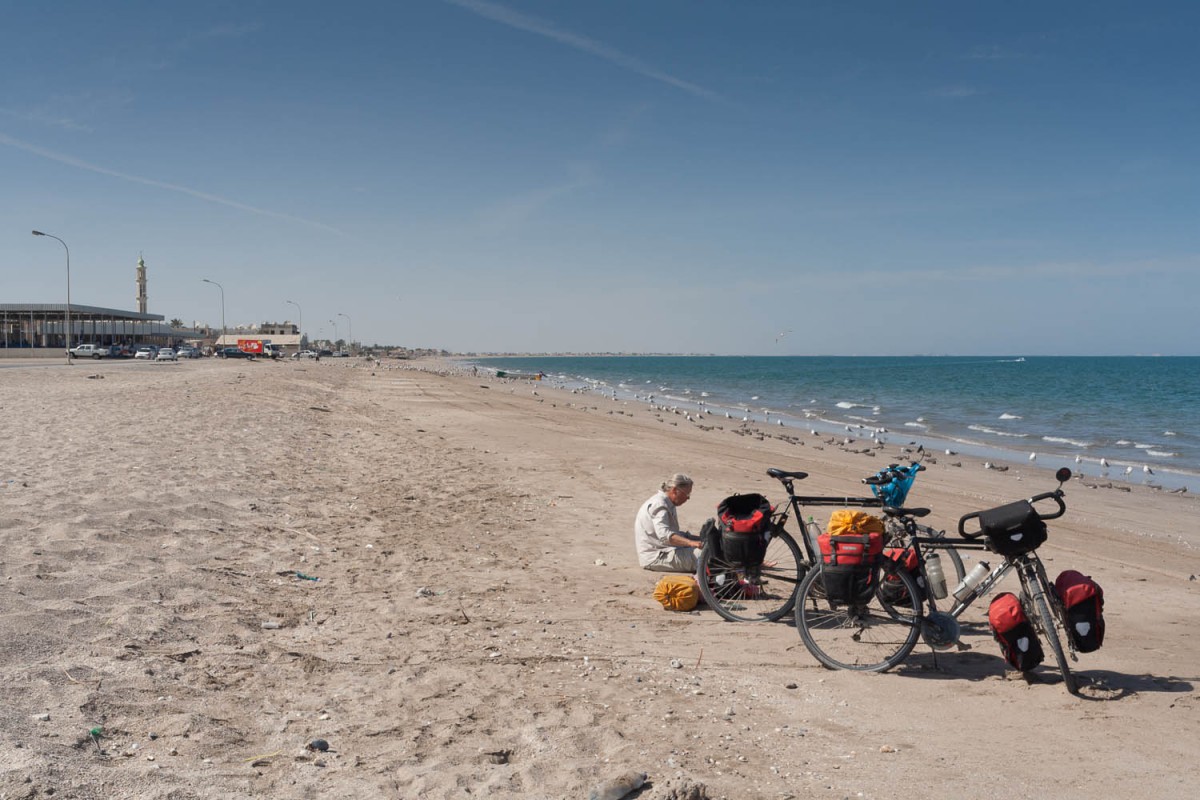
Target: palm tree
x=176 y=323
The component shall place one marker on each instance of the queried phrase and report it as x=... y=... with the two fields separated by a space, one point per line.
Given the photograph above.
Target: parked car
x=305 y=354
x=187 y=352
x=233 y=352
x=166 y=354
x=90 y=351
x=146 y=351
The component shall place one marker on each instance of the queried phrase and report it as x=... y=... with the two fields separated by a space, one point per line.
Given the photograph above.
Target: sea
x=1122 y=418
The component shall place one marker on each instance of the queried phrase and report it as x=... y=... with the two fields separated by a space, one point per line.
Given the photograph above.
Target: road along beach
x=216 y=564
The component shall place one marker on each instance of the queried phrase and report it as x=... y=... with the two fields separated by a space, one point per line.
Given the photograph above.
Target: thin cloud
x=212 y=198
x=41 y=117
x=514 y=211
x=992 y=52
x=513 y=19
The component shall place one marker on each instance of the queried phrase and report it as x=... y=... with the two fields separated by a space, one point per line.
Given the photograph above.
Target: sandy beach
x=217 y=563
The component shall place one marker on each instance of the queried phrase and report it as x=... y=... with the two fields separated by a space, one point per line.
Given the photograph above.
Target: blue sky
x=865 y=178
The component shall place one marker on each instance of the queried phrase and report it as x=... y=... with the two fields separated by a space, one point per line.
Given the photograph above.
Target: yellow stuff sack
x=848 y=522
x=677 y=592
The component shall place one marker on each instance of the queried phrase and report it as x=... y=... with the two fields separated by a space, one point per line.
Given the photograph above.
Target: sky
x=791 y=178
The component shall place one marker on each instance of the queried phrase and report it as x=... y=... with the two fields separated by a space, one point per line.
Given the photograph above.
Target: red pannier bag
x=890 y=588
x=744 y=521
x=1083 y=601
x=850 y=568
x=1013 y=630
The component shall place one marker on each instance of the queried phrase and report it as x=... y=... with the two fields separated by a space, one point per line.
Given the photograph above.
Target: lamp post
x=299 y=324
x=349 y=330
x=64 y=244
x=335 y=336
x=222 y=288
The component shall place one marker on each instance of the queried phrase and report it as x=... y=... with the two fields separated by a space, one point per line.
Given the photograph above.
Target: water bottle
x=975 y=577
x=934 y=575
x=813 y=530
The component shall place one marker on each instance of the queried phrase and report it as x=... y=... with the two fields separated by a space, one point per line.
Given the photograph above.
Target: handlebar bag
x=891 y=591
x=744 y=520
x=850 y=567
x=1083 y=601
x=1013 y=529
x=1013 y=630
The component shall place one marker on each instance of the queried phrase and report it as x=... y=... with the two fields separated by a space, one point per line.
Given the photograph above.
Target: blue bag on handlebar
x=1013 y=529
x=895 y=492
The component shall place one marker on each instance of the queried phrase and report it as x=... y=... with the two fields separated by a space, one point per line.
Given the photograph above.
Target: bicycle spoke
x=872 y=636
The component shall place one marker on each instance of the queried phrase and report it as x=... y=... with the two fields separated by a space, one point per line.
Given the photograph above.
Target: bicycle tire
x=763 y=594
x=871 y=637
x=1050 y=631
x=956 y=561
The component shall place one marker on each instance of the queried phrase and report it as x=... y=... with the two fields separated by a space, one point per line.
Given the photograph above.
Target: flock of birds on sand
x=876 y=435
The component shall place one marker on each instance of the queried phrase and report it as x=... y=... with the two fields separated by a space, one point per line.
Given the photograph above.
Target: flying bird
x=782 y=334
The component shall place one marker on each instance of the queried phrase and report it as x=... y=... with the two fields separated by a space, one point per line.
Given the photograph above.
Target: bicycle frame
x=797 y=502
x=1034 y=585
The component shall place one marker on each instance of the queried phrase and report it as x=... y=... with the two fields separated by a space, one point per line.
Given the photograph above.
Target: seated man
x=661 y=546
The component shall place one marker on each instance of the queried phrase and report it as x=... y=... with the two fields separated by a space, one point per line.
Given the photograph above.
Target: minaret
x=141 y=284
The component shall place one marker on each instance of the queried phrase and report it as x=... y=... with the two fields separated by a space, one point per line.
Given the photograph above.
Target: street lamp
x=299 y=324
x=335 y=336
x=222 y=288
x=349 y=329
x=64 y=244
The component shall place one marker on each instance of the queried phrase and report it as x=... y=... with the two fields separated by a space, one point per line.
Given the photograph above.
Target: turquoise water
x=1134 y=412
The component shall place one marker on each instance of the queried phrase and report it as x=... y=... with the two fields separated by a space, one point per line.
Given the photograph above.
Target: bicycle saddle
x=906 y=512
x=779 y=473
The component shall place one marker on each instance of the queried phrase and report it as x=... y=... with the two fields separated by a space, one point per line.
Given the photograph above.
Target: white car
x=90 y=351
x=166 y=354
x=144 y=352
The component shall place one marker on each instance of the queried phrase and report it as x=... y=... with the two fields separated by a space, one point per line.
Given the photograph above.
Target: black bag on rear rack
x=1013 y=630
x=850 y=567
x=1013 y=529
x=745 y=522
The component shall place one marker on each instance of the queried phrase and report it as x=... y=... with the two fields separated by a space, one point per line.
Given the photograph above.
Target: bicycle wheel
x=757 y=594
x=870 y=637
x=1049 y=625
x=955 y=559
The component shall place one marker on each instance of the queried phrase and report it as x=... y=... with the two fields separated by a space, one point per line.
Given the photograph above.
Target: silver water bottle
x=935 y=576
x=975 y=577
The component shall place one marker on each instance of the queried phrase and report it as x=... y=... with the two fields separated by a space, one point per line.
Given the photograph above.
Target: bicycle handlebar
x=1056 y=496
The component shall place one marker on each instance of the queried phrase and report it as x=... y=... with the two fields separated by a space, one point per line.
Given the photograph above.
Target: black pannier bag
x=1013 y=630
x=745 y=523
x=850 y=567
x=1013 y=529
x=1083 y=601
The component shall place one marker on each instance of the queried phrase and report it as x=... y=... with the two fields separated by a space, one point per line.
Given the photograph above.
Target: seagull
x=1146 y=469
x=950 y=452
x=1128 y=470
x=1078 y=459
x=1104 y=463
x=1033 y=456
x=780 y=422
